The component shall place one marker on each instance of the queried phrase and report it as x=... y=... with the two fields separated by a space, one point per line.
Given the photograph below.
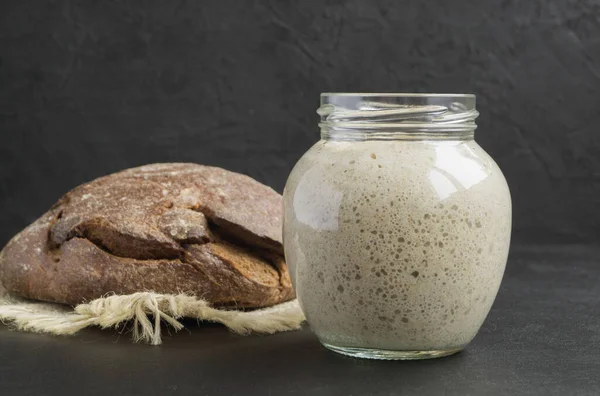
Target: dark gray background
x=88 y=88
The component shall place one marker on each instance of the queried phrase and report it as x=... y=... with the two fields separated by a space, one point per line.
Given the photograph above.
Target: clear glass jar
x=397 y=226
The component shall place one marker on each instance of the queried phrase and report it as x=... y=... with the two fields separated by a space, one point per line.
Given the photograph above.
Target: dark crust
x=166 y=228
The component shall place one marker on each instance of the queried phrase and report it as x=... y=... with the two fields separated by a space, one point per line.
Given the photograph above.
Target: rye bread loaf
x=167 y=228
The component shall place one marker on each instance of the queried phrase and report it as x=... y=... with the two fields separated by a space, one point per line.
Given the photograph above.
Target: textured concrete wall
x=88 y=88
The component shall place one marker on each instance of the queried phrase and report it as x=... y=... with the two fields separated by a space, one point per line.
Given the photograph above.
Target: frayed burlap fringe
x=146 y=311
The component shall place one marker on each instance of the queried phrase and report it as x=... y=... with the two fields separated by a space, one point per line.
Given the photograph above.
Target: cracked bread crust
x=167 y=228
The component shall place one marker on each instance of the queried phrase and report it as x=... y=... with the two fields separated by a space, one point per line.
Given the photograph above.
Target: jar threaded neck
x=397 y=116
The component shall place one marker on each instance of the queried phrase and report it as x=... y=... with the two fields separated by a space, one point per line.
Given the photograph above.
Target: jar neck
x=346 y=116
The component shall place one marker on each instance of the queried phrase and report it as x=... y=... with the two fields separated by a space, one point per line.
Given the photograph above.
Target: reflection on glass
x=311 y=208
x=443 y=186
x=455 y=169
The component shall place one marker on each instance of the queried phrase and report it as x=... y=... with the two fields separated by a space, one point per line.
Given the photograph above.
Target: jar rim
x=399 y=94
x=366 y=114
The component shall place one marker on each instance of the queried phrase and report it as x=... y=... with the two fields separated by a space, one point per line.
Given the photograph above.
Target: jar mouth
x=398 y=94
x=360 y=114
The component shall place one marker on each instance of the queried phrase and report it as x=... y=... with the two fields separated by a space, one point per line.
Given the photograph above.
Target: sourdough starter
x=396 y=245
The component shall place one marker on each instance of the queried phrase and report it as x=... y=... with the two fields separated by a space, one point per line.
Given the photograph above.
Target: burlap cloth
x=144 y=313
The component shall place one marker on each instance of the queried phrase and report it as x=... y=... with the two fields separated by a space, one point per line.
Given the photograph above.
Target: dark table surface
x=542 y=337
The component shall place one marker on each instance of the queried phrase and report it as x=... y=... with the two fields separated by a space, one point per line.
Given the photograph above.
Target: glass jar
x=397 y=226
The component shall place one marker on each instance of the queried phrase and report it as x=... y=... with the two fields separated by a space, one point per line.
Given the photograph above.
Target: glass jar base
x=383 y=354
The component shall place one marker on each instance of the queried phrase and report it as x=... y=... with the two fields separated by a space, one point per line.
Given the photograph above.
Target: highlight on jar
x=397 y=226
